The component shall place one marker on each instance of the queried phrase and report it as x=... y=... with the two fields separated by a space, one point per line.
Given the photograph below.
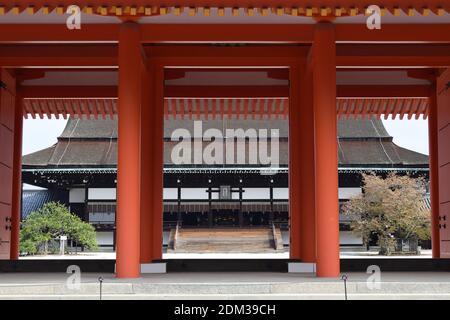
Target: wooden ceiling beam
x=224 y=33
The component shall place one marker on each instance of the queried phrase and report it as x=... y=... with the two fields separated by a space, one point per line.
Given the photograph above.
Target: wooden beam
x=207 y=51
x=67 y=56
x=188 y=56
x=224 y=33
x=394 y=56
x=343 y=91
x=395 y=33
x=225 y=91
x=58 y=33
x=68 y=91
x=251 y=56
x=383 y=91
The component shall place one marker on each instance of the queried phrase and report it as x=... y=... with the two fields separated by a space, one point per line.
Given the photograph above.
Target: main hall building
x=80 y=170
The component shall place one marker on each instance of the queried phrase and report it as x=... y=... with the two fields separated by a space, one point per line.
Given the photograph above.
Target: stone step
x=223 y=247
x=224 y=240
x=221 y=241
x=231 y=235
x=187 y=245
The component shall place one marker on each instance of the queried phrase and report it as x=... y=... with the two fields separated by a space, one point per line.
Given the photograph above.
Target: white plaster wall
x=281 y=193
x=102 y=194
x=348 y=193
x=194 y=193
x=170 y=194
x=76 y=195
x=235 y=195
x=349 y=238
x=105 y=238
x=256 y=193
x=345 y=238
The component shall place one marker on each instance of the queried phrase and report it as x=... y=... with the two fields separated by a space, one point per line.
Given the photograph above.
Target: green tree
x=392 y=208
x=49 y=223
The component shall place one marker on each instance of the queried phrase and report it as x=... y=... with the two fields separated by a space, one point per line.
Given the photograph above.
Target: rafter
x=278 y=108
x=218 y=8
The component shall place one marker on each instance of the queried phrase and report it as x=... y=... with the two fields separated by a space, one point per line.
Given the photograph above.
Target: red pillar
x=17 y=179
x=146 y=168
x=327 y=204
x=434 y=175
x=443 y=133
x=7 y=150
x=158 y=161
x=295 y=192
x=128 y=164
x=307 y=170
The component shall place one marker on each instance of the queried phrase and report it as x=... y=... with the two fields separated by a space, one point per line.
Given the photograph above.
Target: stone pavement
x=347 y=254
x=215 y=285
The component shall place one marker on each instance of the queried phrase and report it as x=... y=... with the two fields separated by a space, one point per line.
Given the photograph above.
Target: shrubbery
x=47 y=224
x=390 y=208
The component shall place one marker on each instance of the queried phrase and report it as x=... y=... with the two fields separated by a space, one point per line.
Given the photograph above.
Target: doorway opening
x=226 y=160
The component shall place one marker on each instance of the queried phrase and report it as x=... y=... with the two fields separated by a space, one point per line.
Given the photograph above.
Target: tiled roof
x=91 y=143
x=33 y=200
x=106 y=128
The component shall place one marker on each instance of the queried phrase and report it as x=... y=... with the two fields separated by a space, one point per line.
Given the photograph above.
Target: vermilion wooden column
x=146 y=167
x=443 y=137
x=128 y=165
x=158 y=159
x=327 y=204
x=7 y=165
x=17 y=179
x=295 y=151
x=307 y=170
x=434 y=174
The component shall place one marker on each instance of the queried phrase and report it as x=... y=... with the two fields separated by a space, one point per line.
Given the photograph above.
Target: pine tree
x=49 y=223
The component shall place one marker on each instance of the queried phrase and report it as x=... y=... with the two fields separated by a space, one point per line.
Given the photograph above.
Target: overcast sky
x=410 y=134
x=39 y=134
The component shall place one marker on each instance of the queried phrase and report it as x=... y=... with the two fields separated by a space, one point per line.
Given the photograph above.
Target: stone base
x=301 y=267
x=159 y=267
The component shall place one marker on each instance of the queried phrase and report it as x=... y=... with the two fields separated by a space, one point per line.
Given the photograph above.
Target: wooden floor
x=225 y=240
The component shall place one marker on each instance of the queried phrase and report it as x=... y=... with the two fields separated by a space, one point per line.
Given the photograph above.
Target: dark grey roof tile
x=94 y=143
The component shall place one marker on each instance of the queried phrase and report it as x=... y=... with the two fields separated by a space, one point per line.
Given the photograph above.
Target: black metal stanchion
x=344 y=278
x=100 y=280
